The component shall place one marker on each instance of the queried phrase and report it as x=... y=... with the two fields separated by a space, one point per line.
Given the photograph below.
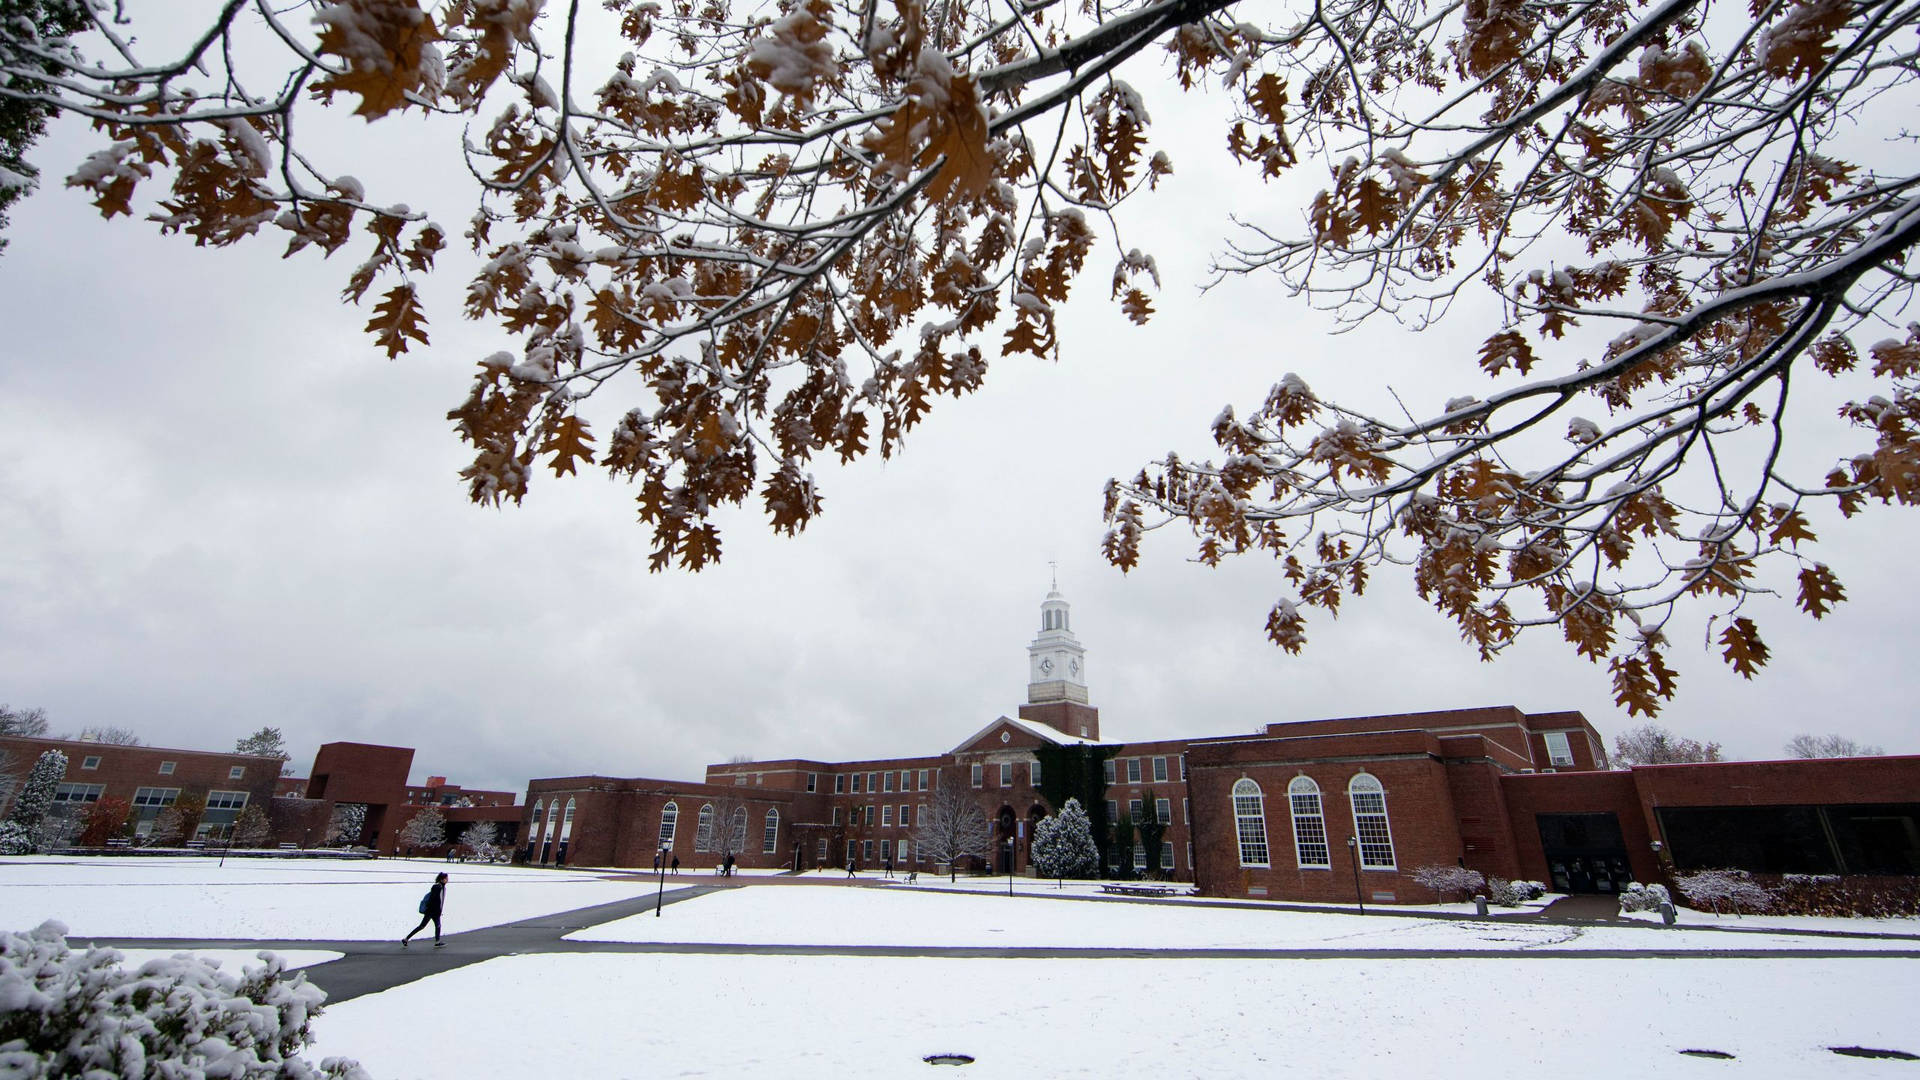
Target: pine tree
x=36 y=795
x=251 y=828
x=1063 y=843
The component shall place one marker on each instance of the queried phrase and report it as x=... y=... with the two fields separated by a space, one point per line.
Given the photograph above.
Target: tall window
x=1250 y=821
x=1159 y=770
x=739 y=831
x=979 y=773
x=1006 y=774
x=1135 y=811
x=906 y=779
x=1139 y=855
x=703 y=835
x=1133 y=770
x=770 y=839
x=813 y=781
x=1106 y=770
x=859 y=779
x=889 y=779
x=1559 y=751
x=840 y=784
x=1370 y=822
x=886 y=816
x=669 y=821
x=1163 y=811
x=923 y=779
x=539 y=819
x=1034 y=774
x=566 y=823
x=904 y=819
x=1309 y=824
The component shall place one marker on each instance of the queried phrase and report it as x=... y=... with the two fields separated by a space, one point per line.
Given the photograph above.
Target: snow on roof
x=1040 y=731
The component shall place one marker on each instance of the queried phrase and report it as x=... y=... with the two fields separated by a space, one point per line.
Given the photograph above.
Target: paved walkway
x=372 y=966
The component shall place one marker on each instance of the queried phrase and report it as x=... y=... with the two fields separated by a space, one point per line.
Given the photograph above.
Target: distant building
x=151 y=778
x=1318 y=810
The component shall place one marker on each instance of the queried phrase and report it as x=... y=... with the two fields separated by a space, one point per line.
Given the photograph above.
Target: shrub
x=1639 y=897
x=1513 y=893
x=1449 y=880
x=77 y=1014
x=1869 y=896
x=14 y=840
x=1733 y=890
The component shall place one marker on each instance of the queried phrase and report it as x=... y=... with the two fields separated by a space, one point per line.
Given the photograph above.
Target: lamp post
x=1009 y=865
x=660 y=897
x=1353 y=853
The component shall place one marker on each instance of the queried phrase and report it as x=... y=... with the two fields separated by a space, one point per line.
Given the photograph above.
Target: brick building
x=375 y=777
x=151 y=778
x=1320 y=810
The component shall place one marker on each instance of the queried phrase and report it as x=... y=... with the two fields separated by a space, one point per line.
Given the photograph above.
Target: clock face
x=1073 y=667
x=1046 y=666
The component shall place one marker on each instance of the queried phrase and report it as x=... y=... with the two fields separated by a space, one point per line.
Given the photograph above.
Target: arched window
x=703 y=837
x=539 y=820
x=566 y=823
x=1370 y=822
x=770 y=839
x=1309 y=824
x=738 y=833
x=669 y=820
x=1250 y=821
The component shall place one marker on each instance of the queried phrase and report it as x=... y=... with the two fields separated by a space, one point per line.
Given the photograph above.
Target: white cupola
x=1056 y=662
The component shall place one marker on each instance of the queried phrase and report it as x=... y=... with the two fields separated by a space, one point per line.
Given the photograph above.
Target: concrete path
x=372 y=966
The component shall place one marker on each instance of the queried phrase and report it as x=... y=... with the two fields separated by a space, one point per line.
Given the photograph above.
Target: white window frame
x=1139 y=855
x=813 y=782
x=887 y=782
x=886 y=849
x=1309 y=820
x=703 y=832
x=1249 y=806
x=162 y=796
x=90 y=762
x=1163 y=811
x=1136 y=810
x=923 y=779
x=224 y=800
x=1107 y=770
x=1113 y=811
x=979 y=775
x=770 y=834
x=859 y=783
x=840 y=784
x=1033 y=774
x=1160 y=770
x=1370 y=825
x=1559 y=749
x=1186 y=811
x=1167 y=858
x=238 y=772
x=669 y=825
x=1006 y=774
x=886 y=816
x=65 y=792
x=904 y=822
x=167 y=767
x=1133 y=770
x=906 y=780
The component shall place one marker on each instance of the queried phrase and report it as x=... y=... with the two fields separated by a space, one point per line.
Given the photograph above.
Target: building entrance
x=1585 y=852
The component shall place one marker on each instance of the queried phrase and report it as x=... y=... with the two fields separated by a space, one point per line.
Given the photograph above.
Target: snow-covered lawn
x=302 y=899
x=659 y=1016
x=235 y=960
x=829 y=915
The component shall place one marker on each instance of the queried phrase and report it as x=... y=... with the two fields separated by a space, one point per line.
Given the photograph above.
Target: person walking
x=675 y=869
x=850 y=864
x=430 y=907
x=889 y=866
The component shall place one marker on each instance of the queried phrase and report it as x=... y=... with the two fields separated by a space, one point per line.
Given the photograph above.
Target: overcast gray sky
x=224 y=509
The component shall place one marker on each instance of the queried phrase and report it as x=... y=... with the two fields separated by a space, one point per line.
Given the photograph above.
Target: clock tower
x=1057 y=674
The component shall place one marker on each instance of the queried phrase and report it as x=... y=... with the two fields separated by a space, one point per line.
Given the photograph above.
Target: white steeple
x=1056 y=662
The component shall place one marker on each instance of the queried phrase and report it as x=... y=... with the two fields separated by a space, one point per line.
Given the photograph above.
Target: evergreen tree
x=251 y=828
x=36 y=795
x=1063 y=844
x=1151 y=830
x=267 y=742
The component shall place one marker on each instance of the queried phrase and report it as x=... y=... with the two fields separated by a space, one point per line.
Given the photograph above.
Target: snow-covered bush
x=1513 y=893
x=1642 y=897
x=1063 y=844
x=14 y=840
x=1450 y=881
x=1733 y=890
x=82 y=1014
x=35 y=799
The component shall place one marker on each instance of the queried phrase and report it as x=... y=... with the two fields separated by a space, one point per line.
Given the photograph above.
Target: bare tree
x=481 y=839
x=252 y=828
x=109 y=735
x=348 y=822
x=783 y=236
x=953 y=827
x=23 y=723
x=722 y=832
x=1651 y=744
x=1830 y=746
x=428 y=828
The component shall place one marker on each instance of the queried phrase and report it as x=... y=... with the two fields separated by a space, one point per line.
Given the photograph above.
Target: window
x=669 y=821
x=155 y=796
x=904 y=811
x=1113 y=812
x=1559 y=751
x=873 y=782
x=917 y=857
x=889 y=780
x=1006 y=774
x=886 y=816
x=1183 y=776
x=813 y=781
x=226 y=800
x=78 y=793
x=866 y=850
x=1163 y=811
x=166 y=768
x=1106 y=770
x=1370 y=822
x=237 y=772
x=770 y=838
x=820 y=849
x=1186 y=812
x=923 y=779
x=539 y=815
x=1139 y=855
x=836 y=817
x=869 y=817
x=1135 y=811
x=859 y=780
x=979 y=773
x=1166 y=857
x=839 y=785
x=906 y=779
x=1033 y=774
x=1159 y=770
x=703 y=833
x=1250 y=822
x=91 y=761
x=1133 y=770
x=886 y=849
x=1309 y=825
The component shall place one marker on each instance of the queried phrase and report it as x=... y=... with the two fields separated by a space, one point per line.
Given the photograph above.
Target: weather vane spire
x=1055 y=568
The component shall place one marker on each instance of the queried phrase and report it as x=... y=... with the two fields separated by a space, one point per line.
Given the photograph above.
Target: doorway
x=1585 y=852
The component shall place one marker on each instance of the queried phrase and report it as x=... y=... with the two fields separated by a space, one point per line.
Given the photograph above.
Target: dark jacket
x=430 y=903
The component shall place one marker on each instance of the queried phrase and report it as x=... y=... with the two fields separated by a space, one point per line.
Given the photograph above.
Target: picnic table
x=1131 y=889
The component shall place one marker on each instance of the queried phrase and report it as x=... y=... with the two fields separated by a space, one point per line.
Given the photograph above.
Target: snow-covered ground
x=302 y=899
x=827 y=915
x=235 y=960
x=658 y=1016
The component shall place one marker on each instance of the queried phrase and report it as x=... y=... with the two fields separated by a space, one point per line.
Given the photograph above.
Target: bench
x=119 y=841
x=1117 y=889
x=289 y=847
